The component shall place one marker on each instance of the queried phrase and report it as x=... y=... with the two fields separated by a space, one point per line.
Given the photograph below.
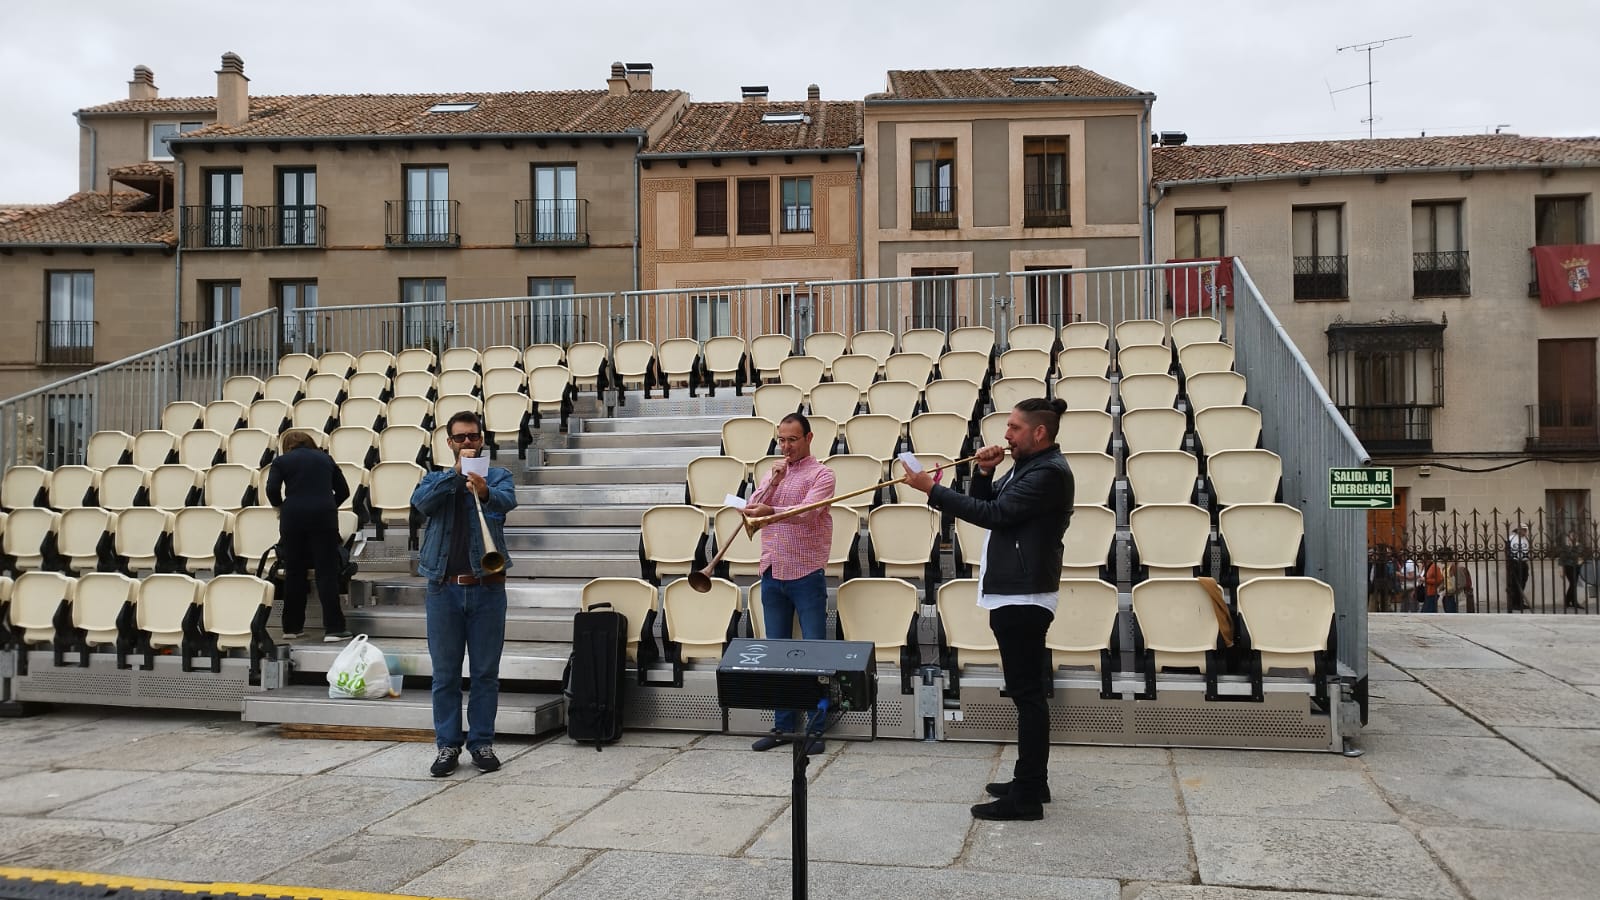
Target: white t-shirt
x=995 y=601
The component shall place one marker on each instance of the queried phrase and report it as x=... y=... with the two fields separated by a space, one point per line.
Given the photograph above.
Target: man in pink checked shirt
x=794 y=552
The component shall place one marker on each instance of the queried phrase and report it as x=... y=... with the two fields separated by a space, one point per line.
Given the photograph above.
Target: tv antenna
x=1366 y=48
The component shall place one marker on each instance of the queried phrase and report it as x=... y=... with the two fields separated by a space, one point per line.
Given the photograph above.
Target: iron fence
x=292 y=226
x=422 y=223
x=1563 y=426
x=1321 y=277
x=742 y=310
x=66 y=343
x=545 y=223
x=1045 y=206
x=933 y=208
x=1109 y=295
x=1440 y=274
x=217 y=227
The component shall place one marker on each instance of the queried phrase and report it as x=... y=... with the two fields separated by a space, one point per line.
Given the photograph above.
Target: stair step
x=598 y=494
x=572 y=564
x=578 y=515
x=603 y=474
x=645 y=424
x=627 y=456
x=518 y=713
x=521 y=592
x=641 y=439
x=572 y=539
x=519 y=660
x=411 y=621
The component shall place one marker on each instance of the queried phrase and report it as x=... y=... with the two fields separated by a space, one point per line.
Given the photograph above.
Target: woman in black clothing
x=308 y=531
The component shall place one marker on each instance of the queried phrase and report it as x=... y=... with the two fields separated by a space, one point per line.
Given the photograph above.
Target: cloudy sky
x=1223 y=70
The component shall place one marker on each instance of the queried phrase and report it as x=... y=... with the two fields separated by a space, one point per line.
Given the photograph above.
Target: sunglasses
x=465 y=436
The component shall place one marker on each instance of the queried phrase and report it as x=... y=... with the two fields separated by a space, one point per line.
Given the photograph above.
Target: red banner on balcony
x=1567 y=273
x=1195 y=292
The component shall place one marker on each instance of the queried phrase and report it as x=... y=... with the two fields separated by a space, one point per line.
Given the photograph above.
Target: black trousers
x=1019 y=631
x=1517 y=582
x=310 y=541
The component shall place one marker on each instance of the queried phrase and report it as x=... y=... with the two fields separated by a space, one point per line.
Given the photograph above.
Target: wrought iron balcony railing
x=1045 y=206
x=422 y=223
x=293 y=226
x=66 y=343
x=1563 y=426
x=933 y=207
x=217 y=227
x=1321 y=278
x=1392 y=429
x=546 y=223
x=796 y=218
x=1442 y=274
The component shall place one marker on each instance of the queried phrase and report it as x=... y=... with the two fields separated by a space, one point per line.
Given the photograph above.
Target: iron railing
x=1563 y=426
x=1441 y=274
x=440 y=324
x=422 y=223
x=292 y=226
x=66 y=343
x=796 y=218
x=1321 y=277
x=1045 y=206
x=546 y=223
x=217 y=227
x=933 y=208
x=1392 y=428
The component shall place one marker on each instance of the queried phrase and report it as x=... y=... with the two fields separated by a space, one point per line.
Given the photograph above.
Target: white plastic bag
x=359 y=672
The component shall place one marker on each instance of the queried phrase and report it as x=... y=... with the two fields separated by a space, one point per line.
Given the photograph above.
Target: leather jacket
x=1026 y=513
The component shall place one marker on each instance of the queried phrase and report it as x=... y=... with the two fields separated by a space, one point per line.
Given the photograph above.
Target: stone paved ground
x=1480 y=780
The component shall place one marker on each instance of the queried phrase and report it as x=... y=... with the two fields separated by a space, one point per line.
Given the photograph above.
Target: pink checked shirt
x=799 y=546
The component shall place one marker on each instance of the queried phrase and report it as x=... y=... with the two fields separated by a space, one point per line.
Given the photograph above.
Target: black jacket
x=315 y=483
x=1026 y=514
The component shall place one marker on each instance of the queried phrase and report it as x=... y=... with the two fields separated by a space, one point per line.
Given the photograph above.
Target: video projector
x=780 y=674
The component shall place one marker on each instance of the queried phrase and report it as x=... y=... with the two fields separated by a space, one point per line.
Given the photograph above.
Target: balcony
x=552 y=223
x=933 y=208
x=1045 y=206
x=66 y=343
x=1442 y=274
x=422 y=223
x=290 y=227
x=1321 y=278
x=1392 y=429
x=796 y=219
x=1563 y=427
x=217 y=227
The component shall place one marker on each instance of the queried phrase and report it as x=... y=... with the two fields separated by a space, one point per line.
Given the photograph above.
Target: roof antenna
x=1500 y=126
x=1366 y=48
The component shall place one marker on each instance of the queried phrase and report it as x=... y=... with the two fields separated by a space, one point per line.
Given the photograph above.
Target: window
x=224 y=208
x=424 y=319
x=713 y=316
x=1567 y=511
x=428 y=210
x=297 y=302
x=1438 y=257
x=1566 y=414
x=298 y=224
x=555 y=203
x=453 y=107
x=162 y=132
x=755 y=206
x=1387 y=378
x=1048 y=297
x=1197 y=234
x=1557 y=221
x=1044 y=183
x=1319 y=257
x=711 y=207
x=551 y=317
x=933 y=184
x=786 y=118
x=69 y=321
x=796 y=203
x=1034 y=79
x=933 y=303
x=221 y=299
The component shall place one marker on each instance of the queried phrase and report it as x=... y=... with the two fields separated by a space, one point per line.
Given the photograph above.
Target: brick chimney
x=754 y=93
x=233 y=91
x=640 y=76
x=813 y=93
x=617 y=84
x=143 y=85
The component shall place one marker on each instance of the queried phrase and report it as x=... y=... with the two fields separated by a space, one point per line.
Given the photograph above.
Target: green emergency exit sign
x=1361 y=488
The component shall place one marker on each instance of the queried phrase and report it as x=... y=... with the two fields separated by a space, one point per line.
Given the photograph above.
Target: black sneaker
x=1003 y=788
x=767 y=742
x=445 y=762
x=1006 y=809
x=484 y=758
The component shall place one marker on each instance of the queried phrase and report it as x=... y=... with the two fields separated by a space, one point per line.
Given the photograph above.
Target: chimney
x=813 y=93
x=143 y=85
x=754 y=93
x=233 y=91
x=617 y=84
x=640 y=76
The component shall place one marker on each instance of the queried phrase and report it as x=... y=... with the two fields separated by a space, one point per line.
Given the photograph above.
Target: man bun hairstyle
x=466 y=415
x=1040 y=411
x=800 y=419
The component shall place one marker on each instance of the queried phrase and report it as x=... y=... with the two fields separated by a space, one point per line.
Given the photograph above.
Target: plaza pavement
x=1480 y=780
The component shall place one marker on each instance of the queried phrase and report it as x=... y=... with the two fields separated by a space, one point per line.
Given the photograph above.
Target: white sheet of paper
x=475 y=464
x=735 y=502
x=909 y=460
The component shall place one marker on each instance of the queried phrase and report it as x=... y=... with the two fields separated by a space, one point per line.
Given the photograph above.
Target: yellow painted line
x=196 y=887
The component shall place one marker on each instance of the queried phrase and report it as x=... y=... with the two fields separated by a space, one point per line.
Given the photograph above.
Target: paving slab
x=42 y=791
x=667 y=822
x=1439 y=755
x=740 y=743
x=368 y=862
x=66 y=843
x=1126 y=756
x=492 y=811
x=669 y=876
x=173 y=797
x=1210 y=892
x=1528 y=865
x=1573 y=752
x=8 y=771
x=1393 y=718
x=563 y=764
x=170 y=751
x=1281 y=794
x=1544 y=804
x=29 y=728
x=490 y=871
x=1378 y=670
x=1517 y=697
x=292 y=757
x=1264 y=759
x=882 y=777
x=413 y=759
x=1290 y=855
x=1404 y=692
x=1558 y=659
x=1436 y=650
x=741 y=773
x=1084 y=785
x=895 y=747
x=878 y=832
x=1085 y=843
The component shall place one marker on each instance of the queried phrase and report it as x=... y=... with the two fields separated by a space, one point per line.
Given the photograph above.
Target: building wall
x=120 y=140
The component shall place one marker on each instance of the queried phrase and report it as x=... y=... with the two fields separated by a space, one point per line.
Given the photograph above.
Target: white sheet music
x=735 y=502
x=478 y=465
x=909 y=460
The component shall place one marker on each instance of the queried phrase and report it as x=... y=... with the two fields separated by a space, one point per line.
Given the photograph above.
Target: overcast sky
x=1223 y=70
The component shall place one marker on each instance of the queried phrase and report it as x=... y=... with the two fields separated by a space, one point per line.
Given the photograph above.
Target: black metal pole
x=797 y=824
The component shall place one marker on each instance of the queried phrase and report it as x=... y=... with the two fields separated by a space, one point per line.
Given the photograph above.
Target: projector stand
x=797 y=821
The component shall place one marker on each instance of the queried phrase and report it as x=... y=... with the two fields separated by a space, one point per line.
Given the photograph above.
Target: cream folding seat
x=325 y=386
x=1133 y=332
x=85 y=537
x=973 y=338
x=1088 y=548
x=967 y=548
x=23 y=486
x=550 y=392
x=315 y=414
x=1209 y=356
x=744 y=558
x=880 y=610
x=967 y=637
x=856 y=369
x=1176 y=625
x=449 y=404
x=873 y=434
x=1032 y=336
x=637 y=600
x=748 y=438
x=939 y=433
x=1144 y=359
x=251 y=446
x=854 y=472
x=1025 y=362
x=544 y=355
x=506 y=416
x=846 y=537
x=903 y=542
x=271 y=416
x=916 y=368
x=877 y=344
x=951 y=395
x=154 y=447
x=500 y=356
x=1209 y=389
x=722 y=360
x=98 y=602
x=804 y=372
x=632 y=363
x=1085 y=334
x=1288 y=621
x=1154 y=429
x=361 y=412
x=1006 y=393
x=992 y=433
x=35 y=599
x=587 y=360
x=1092 y=361
x=1244 y=476
x=1093 y=476
x=335 y=362
x=181 y=415
x=1169 y=540
x=709 y=479
x=905 y=493
x=774 y=401
x=1084 y=630
x=73 y=486
x=120 y=486
x=459 y=381
x=1147 y=391
x=929 y=342
x=241 y=389
x=1161 y=476
x=414 y=359
x=379 y=362
x=223 y=415
x=422 y=384
x=510 y=380
x=414 y=411
x=459 y=358
x=756 y=613
x=198 y=535
x=672 y=540
x=108 y=448
x=389 y=488
x=1195 y=329
x=677 y=360
x=767 y=353
x=1261 y=539
x=968 y=365
x=26 y=530
x=439 y=447
x=826 y=346
x=1084 y=429
x=698 y=626
x=355 y=478
x=297 y=365
x=1084 y=392
x=1227 y=428
x=228 y=485
x=164 y=602
x=173 y=487
x=141 y=538
x=894 y=398
x=824 y=434
x=202 y=447
x=837 y=400
x=763 y=466
x=233 y=612
x=282 y=388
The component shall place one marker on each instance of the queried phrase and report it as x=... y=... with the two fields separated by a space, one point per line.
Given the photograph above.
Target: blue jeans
x=780 y=600
x=468 y=620
x=1430 y=603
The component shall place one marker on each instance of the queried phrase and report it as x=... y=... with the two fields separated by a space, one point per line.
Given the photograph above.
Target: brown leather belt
x=471 y=580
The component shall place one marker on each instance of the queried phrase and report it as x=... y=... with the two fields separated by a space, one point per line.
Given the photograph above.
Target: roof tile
x=90 y=218
x=988 y=84
x=1201 y=162
x=738 y=127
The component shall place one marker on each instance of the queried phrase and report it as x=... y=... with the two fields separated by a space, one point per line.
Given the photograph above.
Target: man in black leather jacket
x=1026 y=513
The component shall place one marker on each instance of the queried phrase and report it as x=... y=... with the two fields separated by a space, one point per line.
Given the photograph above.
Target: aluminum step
x=519 y=660
x=603 y=474
x=521 y=592
x=579 y=540
x=687 y=437
x=386 y=623
x=601 y=494
x=656 y=424
x=627 y=456
x=581 y=516
x=571 y=564
x=310 y=705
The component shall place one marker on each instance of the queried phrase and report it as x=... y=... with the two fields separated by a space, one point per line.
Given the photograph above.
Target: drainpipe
x=861 y=239
x=638 y=149
x=177 y=265
x=1148 y=226
x=94 y=152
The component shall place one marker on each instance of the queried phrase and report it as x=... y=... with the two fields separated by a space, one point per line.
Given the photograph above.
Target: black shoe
x=767 y=742
x=1007 y=810
x=484 y=758
x=816 y=747
x=445 y=762
x=334 y=637
x=1003 y=789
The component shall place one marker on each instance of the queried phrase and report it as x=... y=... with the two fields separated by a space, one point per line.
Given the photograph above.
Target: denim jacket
x=434 y=498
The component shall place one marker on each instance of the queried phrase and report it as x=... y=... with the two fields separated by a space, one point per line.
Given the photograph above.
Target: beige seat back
x=97 y=600
x=1085 y=334
x=230 y=604
x=459 y=381
x=1033 y=336
x=767 y=353
x=250 y=446
x=225 y=485
x=503 y=415
x=1195 y=329
x=671 y=536
x=335 y=362
x=1288 y=620
x=846 y=528
x=544 y=355
x=951 y=395
x=389 y=488
x=804 y=372
x=1084 y=391
x=1093 y=474
x=1178 y=622
x=745 y=556
x=1227 y=428
x=585 y=360
x=904 y=538
x=748 y=438
x=1244 y=476
x=966 y=624
x=163 y=602
x=824 y=432
x=325 y=386
x=905 y=493
x=1086 y=616
x=712 y=478
x=408 y=411
x=635 y=598
x=282 y=388
x=139 y=534
x=500 y=356
x=377 y=361
x=202 y=447
x=774 y=401
x=1025 y=362
x=1155 y=428
x=401 y=443
x=873 y=434
x=1084 y=429
x=826 y=346
x=698 y=623
x=1147 y=391
x=172 y=487
x=1144 y=359
x=70 y=486
x=912 y=367
x=1006 y=393
x=1262 y=538
x=24 y=535
x=758 y=617
x=78 y=535
x=223 y=415
x=969 y=543
x=255 y=532
x=939 y=434
x=449 y=404
x=877 y=610
x=631 y=362
x=724 y=355
x=179 y=416
x=857 y=369
x=927 y=341
x=1208 y=389
x=195 y=530
x=547 y=387
x=836 y=400
x=423 y=384
x=241 y=389
x=969 y=365
x=35 y=598
x=677 y=357
x=459 y=358
x=351 y=444
x=120 y=486
x=1162 y=476
x=1205 y=356
x=853 y=472
x=22 y=486
x=1170 y=538
x=1140 y=331
x=877 y=344
x=108 y=448
x=268 y=415
x=439 y=446
x=974 y=338
x=297 y=365
x=153 y=447
x=1086 y=546
x=415 y=359
x=894 y=398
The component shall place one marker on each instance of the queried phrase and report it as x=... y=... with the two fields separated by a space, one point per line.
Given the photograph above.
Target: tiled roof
x=1203 y=162
x=737 y=127
x=989 y=84
x=90 y=218
x=158 y=105
x=142 y=171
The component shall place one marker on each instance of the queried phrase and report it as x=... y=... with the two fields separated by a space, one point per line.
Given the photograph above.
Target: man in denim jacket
x=466 y=607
